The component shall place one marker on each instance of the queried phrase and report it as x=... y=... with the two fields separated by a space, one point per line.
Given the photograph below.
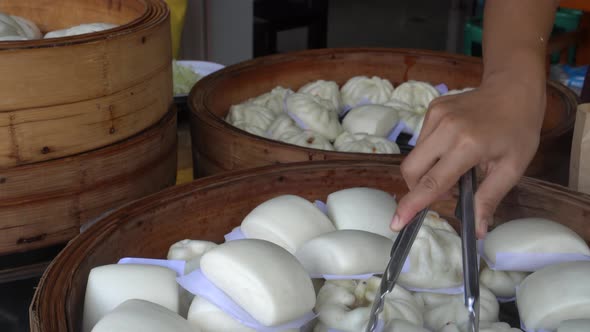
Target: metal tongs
x=403 y=243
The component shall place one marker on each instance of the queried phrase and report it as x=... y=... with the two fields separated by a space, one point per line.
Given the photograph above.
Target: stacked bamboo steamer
x=210 y=207
x=86 y=122
x=234 y=148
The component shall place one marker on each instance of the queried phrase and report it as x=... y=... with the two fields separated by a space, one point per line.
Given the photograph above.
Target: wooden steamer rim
x=210 y=207
x=211 y=97
x=45 y=203
x=143 y=13
x=115 y=59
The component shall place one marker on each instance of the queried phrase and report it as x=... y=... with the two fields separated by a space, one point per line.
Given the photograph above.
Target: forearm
x=515 y=39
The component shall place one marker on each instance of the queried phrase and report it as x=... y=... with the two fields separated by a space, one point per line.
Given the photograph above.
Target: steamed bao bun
x=412 y=117
x=252 y=115
x=436 y=256
x=283 y=127
x=308 y=139
x=397 y=325
x=364 y=143
x=501 y=283
x=376 y=120
x=533 y=235
x=394 y=325
x=364 y=209
x=442 y=309
x=359 y=89
x=415 y=93
x=248 y=127
x=327 y=90
x=80 y=30
x=17 y=28
x=262 y=278
x=315 y=113
x=345 y=252
x=345 y=305
x=191 y=252
x=273 y=100
x=554 y=294
x=287 y=221
x=285 y=130
x=483 y=327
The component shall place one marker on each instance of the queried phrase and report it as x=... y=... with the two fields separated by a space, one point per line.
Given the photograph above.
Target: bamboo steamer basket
x=218 y=146
x=45 y=203
x=210 y=207
x=101 y=87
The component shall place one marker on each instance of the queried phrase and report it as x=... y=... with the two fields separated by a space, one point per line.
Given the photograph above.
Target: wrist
x=524 y=66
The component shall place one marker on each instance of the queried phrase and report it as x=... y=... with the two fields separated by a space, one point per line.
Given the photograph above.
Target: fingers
x=497 y=184
x=431 y=146
x=436 y=111
x=435 y=183
x=421 y=159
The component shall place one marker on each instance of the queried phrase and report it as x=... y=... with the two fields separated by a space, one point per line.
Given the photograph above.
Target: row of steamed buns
x=361 y=116
x=14 y=28
x=289 y=246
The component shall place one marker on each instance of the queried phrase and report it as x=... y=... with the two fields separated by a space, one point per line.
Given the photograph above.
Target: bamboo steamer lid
x=95 y=89
x=218 y=146
x=210 y=207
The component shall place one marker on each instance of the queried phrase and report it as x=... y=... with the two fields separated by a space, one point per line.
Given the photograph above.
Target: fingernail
x=395 y=223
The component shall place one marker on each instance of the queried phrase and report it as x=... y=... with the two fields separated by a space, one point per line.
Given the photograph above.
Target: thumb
x=498 y=182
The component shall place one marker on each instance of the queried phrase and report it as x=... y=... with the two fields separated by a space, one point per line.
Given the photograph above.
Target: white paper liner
x=527 y=262
x=321 y=206
x=235 y=234
x=502 y=299
x=442 y=88
x=175 y=265
x=196 y=283
x=400 y=127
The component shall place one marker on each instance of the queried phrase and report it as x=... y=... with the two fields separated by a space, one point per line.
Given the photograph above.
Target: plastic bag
x=572 y=77
x=177 y=15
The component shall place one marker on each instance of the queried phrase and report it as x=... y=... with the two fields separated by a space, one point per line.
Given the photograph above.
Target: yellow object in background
x=177 y=15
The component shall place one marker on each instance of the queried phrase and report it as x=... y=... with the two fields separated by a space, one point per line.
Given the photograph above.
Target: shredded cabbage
x=184 y=78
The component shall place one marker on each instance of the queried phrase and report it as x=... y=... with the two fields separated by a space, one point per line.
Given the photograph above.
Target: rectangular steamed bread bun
x=364 y=209
x=142 y=316
x=263 y=278
x=554 y=294
x=287 y=221
x=110 y=285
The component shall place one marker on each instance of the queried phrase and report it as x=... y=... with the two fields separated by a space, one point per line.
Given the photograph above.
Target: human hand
x=496 y=127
